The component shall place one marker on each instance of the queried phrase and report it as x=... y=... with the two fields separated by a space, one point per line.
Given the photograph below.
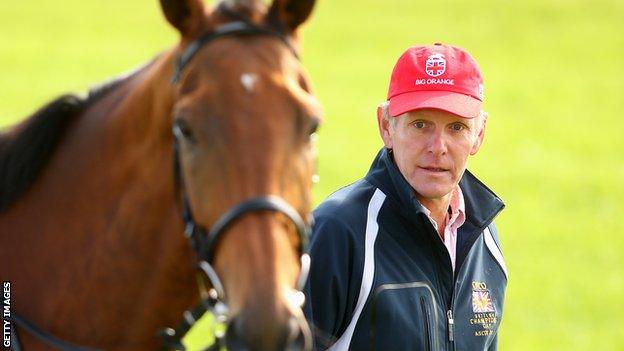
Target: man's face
x=431 y=148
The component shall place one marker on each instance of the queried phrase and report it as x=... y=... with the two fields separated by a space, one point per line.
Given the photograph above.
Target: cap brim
x=458 y=104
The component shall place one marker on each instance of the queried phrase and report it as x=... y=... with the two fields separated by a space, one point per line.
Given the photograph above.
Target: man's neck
x=438 y=208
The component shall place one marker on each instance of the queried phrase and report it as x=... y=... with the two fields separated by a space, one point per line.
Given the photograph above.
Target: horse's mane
x=26 y=148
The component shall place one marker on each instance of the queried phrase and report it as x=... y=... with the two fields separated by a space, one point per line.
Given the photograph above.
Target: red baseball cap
x=437 y=76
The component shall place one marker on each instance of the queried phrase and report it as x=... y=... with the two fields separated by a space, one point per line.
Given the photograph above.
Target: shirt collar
x=457 y=207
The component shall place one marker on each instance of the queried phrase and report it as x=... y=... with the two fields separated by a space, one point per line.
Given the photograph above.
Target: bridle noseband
x=204 y=242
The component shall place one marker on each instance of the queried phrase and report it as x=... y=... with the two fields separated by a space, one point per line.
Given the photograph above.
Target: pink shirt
x=454 y=220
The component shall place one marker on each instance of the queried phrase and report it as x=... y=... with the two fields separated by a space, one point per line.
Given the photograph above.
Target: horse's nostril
x=291 y=335
x=233 y=336
x=294 y=331
x=300 y=336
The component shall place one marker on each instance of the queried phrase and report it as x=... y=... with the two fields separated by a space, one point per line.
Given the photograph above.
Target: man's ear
x=383 y=123
x=479 y=140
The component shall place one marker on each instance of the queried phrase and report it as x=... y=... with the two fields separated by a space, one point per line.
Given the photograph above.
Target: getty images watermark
x=6 y=314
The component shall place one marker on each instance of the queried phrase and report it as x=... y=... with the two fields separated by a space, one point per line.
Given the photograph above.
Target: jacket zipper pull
x=451 y=323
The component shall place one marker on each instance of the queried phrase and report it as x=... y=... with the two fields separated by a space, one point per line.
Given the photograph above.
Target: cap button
x=437 y=43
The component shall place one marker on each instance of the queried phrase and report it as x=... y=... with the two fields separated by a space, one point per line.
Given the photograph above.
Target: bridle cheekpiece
x=203 y=241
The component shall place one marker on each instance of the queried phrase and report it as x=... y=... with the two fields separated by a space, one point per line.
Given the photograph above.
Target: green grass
x=554 y=81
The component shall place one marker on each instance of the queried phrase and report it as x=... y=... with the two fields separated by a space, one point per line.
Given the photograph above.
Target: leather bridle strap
x=43 y=336
x=229 y=29
x=261 y=203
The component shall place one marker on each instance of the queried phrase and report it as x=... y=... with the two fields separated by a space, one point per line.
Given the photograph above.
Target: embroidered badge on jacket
x=481 y=301
x=484 y=309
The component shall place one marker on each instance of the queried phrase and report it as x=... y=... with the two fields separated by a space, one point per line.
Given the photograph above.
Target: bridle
x=203 y=241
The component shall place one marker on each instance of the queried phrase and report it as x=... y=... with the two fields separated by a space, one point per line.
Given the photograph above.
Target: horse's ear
x=287 y=15
x=185 y=15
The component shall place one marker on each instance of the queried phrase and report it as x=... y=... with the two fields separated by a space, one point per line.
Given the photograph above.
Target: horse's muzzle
x=294 y=335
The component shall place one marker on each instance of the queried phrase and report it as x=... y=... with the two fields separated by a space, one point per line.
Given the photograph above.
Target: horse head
x=244 y=119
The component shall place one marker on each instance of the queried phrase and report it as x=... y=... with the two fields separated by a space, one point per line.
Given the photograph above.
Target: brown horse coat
x=90 y=231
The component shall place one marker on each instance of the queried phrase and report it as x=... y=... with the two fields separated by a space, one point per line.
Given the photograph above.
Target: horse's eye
x=182 y=131
x=314 y=125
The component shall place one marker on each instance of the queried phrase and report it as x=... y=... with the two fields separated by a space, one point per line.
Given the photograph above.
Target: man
x=408 y=257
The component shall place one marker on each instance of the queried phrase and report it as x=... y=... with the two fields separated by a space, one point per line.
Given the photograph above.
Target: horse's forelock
x=246 y=10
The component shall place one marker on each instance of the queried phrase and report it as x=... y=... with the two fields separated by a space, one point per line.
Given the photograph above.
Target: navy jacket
x=382 y=279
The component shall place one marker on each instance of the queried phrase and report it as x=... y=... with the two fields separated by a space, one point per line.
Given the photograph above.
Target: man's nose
x=437 y=143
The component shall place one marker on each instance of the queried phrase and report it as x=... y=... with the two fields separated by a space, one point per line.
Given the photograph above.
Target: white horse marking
x=248 y=80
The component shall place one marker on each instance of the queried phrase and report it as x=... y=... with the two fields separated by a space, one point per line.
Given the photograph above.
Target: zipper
x=449 y=315
x=423 y=305
x=451 y=324
x=449 y=312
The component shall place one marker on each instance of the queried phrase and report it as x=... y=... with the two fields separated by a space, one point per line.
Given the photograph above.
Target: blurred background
x=554 y=83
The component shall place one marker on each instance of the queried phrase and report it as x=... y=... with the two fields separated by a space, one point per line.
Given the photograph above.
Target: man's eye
x=419 y=124
x=458 y=127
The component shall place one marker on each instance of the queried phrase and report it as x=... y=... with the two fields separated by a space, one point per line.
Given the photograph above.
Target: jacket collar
x=482 y=205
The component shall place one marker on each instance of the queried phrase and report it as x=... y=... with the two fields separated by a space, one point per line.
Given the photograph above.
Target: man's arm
x=329 y=302
x=494 y=344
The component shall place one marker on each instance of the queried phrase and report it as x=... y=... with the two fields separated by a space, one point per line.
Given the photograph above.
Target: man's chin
x=435 y=194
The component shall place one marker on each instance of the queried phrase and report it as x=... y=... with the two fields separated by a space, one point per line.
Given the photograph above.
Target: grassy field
x=554 y=80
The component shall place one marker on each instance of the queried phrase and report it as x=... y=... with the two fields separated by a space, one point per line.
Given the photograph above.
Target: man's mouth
x=434 y=169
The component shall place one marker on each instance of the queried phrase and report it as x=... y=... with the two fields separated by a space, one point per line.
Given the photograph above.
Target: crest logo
x=435 y=65
x=481 y=300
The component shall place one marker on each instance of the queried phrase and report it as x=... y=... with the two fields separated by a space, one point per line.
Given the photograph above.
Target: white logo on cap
x=435 y=65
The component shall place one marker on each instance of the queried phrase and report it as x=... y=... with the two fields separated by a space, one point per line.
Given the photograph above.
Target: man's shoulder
x=342 y=218
x=346 y=204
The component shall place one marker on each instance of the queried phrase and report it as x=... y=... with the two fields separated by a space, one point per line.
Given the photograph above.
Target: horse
x=205 y=155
